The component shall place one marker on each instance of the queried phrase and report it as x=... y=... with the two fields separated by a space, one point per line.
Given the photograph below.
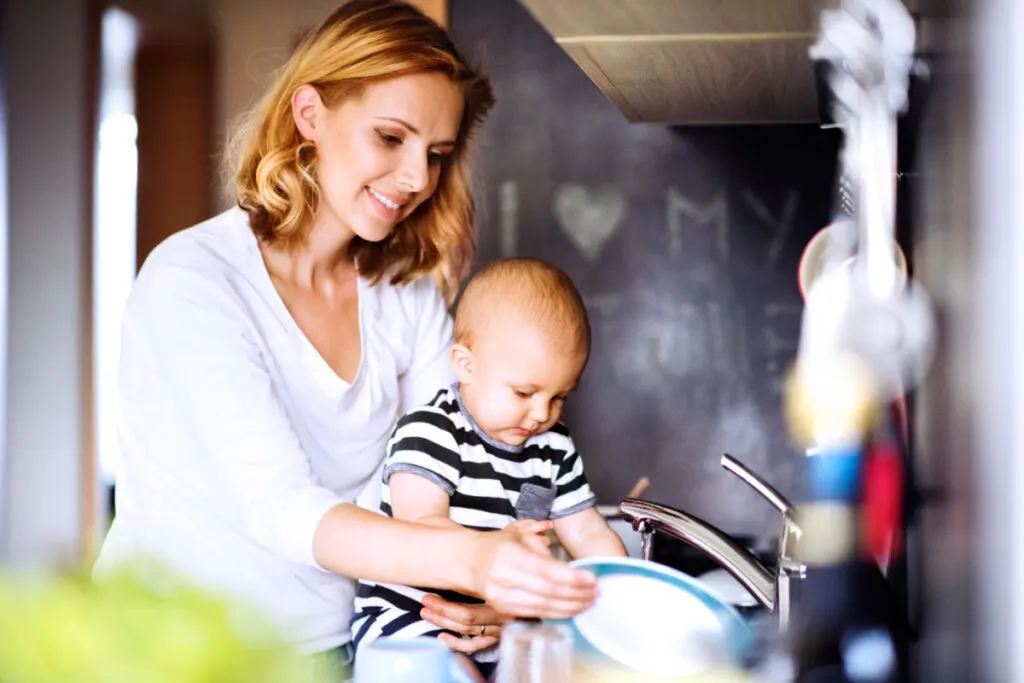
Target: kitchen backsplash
x=685 y=243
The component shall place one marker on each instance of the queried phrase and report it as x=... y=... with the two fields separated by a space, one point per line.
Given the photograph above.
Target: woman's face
x=382 y=152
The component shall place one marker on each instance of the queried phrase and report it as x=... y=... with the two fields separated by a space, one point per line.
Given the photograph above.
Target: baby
x=489 y=450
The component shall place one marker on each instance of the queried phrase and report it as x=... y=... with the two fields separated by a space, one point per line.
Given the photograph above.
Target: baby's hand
x=533 y=534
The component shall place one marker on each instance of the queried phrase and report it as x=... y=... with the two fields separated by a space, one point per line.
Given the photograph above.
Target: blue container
x=834 y=475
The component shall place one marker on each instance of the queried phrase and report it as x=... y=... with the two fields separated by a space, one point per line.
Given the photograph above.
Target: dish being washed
x=653 y=619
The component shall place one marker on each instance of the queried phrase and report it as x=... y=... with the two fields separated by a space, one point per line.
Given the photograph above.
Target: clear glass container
x=533 y=652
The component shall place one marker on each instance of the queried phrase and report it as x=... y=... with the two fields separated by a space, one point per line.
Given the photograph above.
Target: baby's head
x=522 y=339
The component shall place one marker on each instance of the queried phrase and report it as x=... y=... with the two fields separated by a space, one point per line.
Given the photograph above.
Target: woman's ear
x=306 y=108
x=462 y=364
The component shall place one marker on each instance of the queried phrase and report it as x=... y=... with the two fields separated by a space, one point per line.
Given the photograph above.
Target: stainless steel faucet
x=771 y=589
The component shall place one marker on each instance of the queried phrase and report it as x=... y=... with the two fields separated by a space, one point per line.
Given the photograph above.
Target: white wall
x=969 y=441
x=999 y=330
x=254 y=38
x=45 y=433
x=48 y=216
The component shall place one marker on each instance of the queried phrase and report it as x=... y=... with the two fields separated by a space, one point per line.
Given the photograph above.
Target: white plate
x=651 y=618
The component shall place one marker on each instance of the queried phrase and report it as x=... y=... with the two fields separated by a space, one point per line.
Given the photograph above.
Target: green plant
x=140 y=626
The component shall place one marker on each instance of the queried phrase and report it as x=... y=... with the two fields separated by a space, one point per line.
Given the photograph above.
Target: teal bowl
x=655 y=620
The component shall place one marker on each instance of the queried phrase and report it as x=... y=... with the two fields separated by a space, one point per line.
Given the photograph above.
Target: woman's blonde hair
x=275 y=169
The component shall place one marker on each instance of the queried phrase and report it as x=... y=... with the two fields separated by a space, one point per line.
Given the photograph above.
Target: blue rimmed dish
x=656 y=620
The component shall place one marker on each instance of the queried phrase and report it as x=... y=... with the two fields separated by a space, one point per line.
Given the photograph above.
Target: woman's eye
x=522 y=394
x=437 y=158
x=388 y=139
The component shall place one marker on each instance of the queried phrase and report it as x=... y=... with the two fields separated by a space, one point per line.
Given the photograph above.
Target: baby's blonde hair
x=532 y=292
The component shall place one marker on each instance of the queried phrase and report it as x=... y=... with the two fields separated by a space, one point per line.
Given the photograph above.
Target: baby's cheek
x=509 y=413
x=496 y=413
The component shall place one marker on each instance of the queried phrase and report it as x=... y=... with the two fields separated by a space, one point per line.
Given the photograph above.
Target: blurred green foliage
x=142 y=625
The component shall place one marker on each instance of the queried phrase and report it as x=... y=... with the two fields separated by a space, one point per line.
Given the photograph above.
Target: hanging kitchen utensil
x=866 y=308
x=833 y=246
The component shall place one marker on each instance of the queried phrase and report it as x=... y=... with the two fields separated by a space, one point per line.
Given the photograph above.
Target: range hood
x=692 y=62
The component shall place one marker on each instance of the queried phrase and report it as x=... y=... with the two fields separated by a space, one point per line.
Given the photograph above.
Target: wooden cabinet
x=694 y=61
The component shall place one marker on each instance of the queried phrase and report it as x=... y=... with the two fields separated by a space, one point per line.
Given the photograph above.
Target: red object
x=882 y=504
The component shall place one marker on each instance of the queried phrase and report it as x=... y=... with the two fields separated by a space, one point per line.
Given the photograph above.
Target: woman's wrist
x=479 y=549
x=366 y=545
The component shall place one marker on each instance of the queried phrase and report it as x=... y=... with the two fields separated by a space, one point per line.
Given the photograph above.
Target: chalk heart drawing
x=589 y=217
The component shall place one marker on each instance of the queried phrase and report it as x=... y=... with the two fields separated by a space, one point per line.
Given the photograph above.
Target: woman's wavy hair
x=275 y=169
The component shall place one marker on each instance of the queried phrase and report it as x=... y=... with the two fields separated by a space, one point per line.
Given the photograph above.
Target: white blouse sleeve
x=430 y=369
x=199 y=333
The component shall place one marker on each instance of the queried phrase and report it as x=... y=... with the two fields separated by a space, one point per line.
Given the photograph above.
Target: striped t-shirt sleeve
x=424 y=443
x=572 y=492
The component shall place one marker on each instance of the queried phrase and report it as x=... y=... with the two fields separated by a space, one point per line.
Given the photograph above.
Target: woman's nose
x=414 y=173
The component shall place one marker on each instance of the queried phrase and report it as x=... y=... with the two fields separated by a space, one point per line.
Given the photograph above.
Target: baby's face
x=519 y=382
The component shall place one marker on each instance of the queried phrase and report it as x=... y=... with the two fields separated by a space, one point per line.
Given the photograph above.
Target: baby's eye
x=522 y=394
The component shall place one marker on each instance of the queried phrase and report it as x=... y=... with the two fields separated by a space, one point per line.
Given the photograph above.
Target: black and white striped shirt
x=490 y=484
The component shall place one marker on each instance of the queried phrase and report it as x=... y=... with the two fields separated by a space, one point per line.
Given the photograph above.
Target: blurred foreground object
x=858 y=298
x=718 y=676
x=123 y=629
x=867 y=337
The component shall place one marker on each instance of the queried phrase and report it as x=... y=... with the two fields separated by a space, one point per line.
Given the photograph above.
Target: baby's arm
x=587 y=534
x=414 y=498
x=423 y=469
x=580 y=528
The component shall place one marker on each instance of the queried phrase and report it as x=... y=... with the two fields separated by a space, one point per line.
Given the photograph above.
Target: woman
x=267 y=351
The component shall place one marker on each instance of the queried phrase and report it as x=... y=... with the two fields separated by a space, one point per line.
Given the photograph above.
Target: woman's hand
x=480 y=624
x=514 y=577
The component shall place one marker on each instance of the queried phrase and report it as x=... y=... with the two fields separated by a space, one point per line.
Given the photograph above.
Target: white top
x=237 y=436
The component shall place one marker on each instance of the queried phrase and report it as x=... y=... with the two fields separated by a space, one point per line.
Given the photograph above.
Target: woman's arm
x=185 y=315
x=407 y=558
x=198 y=331
x=496 y=566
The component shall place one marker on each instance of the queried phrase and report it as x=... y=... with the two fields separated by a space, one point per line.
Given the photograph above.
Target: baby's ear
x=462 y=363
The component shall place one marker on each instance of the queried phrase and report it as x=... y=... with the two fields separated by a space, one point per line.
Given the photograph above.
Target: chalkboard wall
x=684 y=242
